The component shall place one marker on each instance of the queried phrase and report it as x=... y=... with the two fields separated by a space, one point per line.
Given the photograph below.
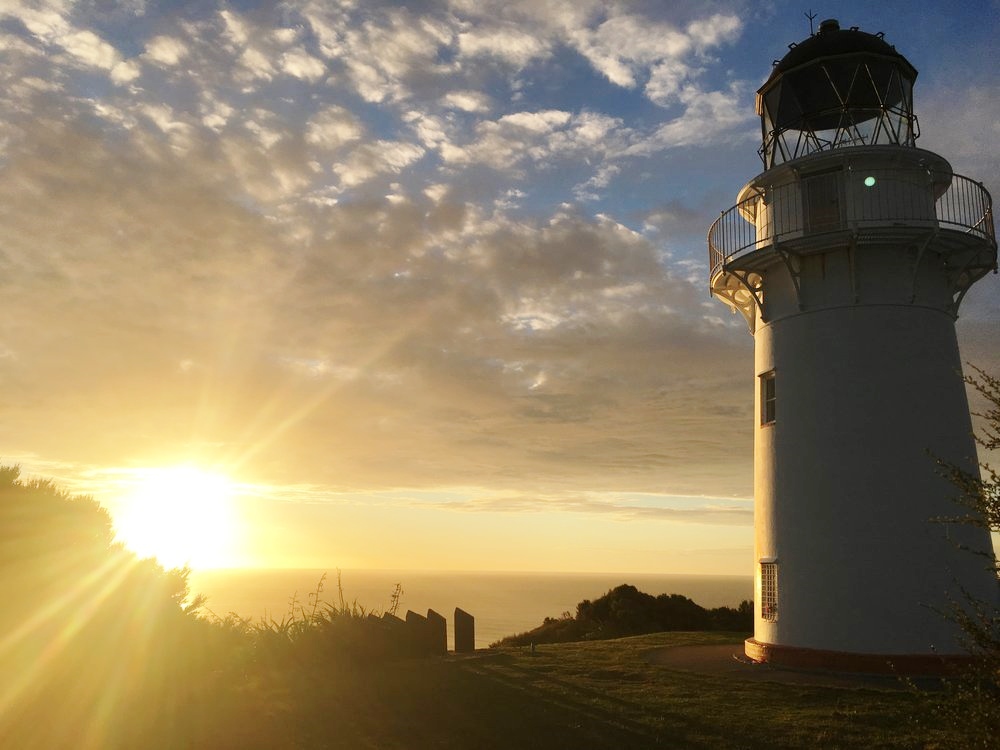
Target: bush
x=970 y=705
x=625 y=611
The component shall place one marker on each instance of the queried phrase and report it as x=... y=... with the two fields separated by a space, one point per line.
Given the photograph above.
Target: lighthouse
x=849 y=256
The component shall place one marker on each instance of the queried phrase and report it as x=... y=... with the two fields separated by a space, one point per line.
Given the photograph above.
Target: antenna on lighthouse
x=812 y=17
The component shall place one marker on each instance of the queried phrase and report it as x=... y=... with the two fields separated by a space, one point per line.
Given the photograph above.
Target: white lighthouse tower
x=849 y=256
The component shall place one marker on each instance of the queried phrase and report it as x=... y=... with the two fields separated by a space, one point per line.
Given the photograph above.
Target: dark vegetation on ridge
x=625 y=611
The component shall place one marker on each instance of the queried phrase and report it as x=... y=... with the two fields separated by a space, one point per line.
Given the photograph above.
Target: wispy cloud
x=716 y=512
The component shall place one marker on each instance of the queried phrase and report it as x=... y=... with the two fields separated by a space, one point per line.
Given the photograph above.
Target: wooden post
x=437 y=632
x=465 y=632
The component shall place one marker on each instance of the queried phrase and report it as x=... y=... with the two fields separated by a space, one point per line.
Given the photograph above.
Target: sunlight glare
x=180 y=515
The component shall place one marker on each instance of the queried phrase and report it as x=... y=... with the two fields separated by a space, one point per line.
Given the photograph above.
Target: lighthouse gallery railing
x=851 y=201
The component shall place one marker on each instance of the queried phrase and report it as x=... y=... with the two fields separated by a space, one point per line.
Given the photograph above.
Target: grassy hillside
x=603 y=694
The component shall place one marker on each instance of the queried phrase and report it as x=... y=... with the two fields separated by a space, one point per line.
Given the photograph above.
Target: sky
x=424 y=283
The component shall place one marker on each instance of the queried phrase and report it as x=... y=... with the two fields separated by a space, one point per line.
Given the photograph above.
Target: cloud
x=305 y=241
x=432 y=131
x=626 y=48
x=725 y=512
x=536 y=122
x=235 y=29
x=393 y=250
x=89 y=48
x=152 y=263
x=166 y=50
x=541 y=136
x=467 y=101
x=332 y=127
x=263 y=53
x=709 y=118
x=968 y=142
x=215 y=114
x=380 y=157
x=588 y=190
x=714 y=31
x=388 y=51
x=300 y=64
x=48 y=23
x=623 y=45
x=511 y=45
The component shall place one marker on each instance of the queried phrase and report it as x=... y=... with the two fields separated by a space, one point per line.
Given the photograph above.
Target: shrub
x=625 y=611
x=970 y=704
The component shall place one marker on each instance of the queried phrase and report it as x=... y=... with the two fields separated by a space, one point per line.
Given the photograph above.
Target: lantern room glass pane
x=842 y=79
x=835 y=103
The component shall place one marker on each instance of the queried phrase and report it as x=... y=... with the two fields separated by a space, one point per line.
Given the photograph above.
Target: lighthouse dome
x=833 y=40
x=840 y=87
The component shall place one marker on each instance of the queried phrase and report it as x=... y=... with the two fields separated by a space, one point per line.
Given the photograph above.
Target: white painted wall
x=868 y=390
x=845 y=486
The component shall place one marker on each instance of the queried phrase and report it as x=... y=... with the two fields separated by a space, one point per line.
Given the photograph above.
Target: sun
x=181 y=515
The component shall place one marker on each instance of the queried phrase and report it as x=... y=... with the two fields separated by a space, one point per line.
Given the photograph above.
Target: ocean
x=502 y=603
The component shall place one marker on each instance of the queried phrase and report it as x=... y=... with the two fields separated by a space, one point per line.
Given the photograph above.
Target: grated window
x=769 y=591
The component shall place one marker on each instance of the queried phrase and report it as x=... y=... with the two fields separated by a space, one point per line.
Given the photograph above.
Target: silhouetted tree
x=96 y=648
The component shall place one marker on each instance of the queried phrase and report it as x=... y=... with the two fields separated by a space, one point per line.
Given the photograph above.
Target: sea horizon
x=503 y=602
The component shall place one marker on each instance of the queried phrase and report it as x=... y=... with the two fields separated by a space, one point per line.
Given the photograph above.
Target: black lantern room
x=839 y=87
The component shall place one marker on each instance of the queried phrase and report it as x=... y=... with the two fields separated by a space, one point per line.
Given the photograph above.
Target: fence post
x=465 y=632
x=416 y=626
x=437 y=632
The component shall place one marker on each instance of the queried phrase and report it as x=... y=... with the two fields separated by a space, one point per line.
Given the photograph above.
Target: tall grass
x=339 y=632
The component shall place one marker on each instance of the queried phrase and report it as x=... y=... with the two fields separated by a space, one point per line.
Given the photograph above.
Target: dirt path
x=729 y=660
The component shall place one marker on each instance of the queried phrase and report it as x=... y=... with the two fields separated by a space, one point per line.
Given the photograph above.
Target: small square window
x=769 y=591
x=767 y=398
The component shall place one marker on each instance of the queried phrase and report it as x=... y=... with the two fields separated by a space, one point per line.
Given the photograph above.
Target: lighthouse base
x=794 y=657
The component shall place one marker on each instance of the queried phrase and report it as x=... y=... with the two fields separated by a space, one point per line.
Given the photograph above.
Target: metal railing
x=851 y=200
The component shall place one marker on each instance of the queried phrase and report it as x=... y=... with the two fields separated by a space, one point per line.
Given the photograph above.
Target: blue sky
x=440 y=260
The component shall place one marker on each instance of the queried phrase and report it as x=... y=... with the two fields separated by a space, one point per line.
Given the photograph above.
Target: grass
x=595 y=695
x=98 y=653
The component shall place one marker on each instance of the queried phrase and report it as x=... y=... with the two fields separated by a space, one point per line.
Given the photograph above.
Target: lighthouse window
x=767 y=398
x=769 y=591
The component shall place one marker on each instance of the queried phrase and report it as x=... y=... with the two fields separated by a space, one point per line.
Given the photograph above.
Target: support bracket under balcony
x=743 y=291
x=794 y=265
